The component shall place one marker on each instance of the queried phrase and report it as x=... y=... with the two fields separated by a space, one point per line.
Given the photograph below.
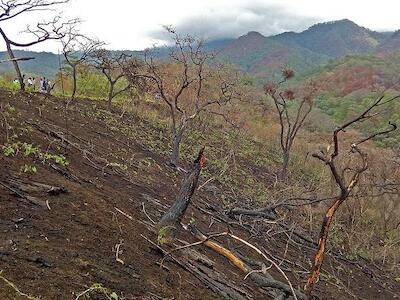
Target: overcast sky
x=137 y=24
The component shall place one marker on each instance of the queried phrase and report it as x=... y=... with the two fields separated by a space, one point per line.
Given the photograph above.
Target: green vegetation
x=29 y=169
x=164 y=235
x=342 y=109
x=8 y=84
x=30 y=150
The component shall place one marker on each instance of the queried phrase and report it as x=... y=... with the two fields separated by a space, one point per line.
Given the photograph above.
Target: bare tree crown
x=291 y=115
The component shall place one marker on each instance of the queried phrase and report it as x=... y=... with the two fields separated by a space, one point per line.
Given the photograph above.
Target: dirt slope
x=112 y=188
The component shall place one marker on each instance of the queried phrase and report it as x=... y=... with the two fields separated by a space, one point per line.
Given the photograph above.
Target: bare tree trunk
x=73 y=82
x=285 y=163
x=176 y=146
x=323 y=238
x=170 y=221
x=16 y=66
x=110 y=94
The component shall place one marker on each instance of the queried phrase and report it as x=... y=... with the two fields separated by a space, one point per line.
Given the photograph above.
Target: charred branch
x=12 y=8
x=16 y=59
x=265 y=281
x=171 y=220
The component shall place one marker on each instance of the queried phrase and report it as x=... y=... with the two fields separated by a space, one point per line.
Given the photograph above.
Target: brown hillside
x=56 y=242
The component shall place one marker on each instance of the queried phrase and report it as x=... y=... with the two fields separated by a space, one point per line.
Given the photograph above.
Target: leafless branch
x=347 y=183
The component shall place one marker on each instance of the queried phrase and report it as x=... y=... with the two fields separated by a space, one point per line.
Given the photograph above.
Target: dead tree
x=171 y=220
x=113 y=68
x=346 y=178
x=187 y=85
x=44 y=31
x=170 y=223
x=292 y=114
x=76 y=49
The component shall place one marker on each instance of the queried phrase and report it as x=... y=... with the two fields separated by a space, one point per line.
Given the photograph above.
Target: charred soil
x=80 y=191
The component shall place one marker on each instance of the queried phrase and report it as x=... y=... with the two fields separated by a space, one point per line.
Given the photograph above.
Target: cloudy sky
x=137 y=24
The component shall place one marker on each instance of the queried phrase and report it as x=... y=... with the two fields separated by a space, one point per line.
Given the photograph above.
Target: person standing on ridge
x=45 y=84
x=30 y=83
x=41 y=85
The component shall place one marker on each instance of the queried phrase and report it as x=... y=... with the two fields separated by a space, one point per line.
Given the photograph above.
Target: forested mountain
x=335 y=39
x=264 y=56
x=390 y=46
x=45 y=63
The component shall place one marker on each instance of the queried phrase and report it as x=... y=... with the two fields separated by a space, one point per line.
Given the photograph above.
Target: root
x=16 y=289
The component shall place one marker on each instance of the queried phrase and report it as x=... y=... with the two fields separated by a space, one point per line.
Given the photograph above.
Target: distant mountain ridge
x=45 y=63
x=263 y=56
x=335 y=39
x=390 y=46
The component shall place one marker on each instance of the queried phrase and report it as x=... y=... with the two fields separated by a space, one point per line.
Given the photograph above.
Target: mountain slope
x=335 y=39
x=348 y=84
x=390 y=46
x=264 y=57
x=353 y=73
x=97 y=227
x=45 y=63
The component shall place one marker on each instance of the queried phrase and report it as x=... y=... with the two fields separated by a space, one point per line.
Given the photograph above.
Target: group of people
x=31 y=84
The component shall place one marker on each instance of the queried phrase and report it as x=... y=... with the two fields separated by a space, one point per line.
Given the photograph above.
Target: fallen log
x=262 y=212
x=32 y=191
x=37 y=187
x=65 y=173
x=21 y=195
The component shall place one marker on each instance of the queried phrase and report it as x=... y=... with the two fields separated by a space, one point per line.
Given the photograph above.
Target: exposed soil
x=59 y=252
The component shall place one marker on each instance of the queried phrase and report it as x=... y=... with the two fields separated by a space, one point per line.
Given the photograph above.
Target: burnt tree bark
x=74 y=66
x=176 y=144
x=170 y=221
x=14 y=61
